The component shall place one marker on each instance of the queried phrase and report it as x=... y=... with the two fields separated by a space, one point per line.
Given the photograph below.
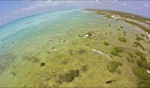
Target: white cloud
x=146 y=5
x=37 y=5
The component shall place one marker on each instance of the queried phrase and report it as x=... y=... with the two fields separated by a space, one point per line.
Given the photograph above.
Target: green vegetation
x=147 y=66
x=138 y=38
x=122 y=39
x=144 y=84
x=130 y=54
x=145 y=29
x=137 y=44
x=68 y=77
x=106 y=43
x=108 y=15
x=99 y=12
x=141 y=55
x=141 y=64
x=130 y=59
x=121 y=26
x=113 y=65
x=125 y=16
x=142 y=35
x=117 y=50
x=140 y=72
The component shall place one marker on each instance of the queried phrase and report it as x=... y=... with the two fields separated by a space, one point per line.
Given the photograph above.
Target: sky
x=11 y=10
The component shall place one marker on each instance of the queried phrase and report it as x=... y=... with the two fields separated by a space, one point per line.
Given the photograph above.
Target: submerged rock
x=110 y=81
x=42 y=64
x=84 y=68
x=88 y=34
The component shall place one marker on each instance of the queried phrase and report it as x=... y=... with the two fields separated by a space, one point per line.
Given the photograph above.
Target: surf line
x=97 y=51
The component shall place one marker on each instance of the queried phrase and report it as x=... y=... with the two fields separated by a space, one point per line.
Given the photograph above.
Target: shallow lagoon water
x=38 y=51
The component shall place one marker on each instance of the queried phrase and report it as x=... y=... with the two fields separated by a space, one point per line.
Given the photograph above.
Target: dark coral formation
x=113 y=65
x=106 y=43
x=42 y=64
x=31 y=58
x=130 y=59
x=84 y=68
x=144 y=84
x=122 y=39
x=141 y=55
x=141 y=73
x=69 y=76
x=81 y=51
x=110 y=81
x=138 y=38
x=117 y=50
x=137 y=44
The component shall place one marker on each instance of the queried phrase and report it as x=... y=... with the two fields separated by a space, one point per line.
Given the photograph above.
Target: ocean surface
x=35 y=51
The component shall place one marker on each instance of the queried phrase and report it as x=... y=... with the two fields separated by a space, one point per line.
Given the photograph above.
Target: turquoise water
x=57 y=40
x=45 y=23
